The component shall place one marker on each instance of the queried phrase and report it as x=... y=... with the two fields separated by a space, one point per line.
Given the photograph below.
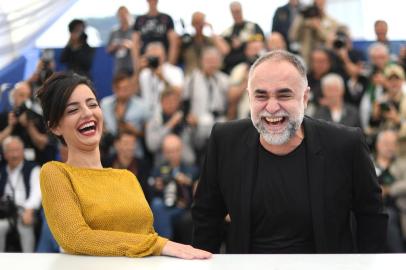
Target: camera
x=340 y=41
x=385 y=106
x=153 y=62
x=8 y=208
x=32 y=109
x=47 y=57
x=20 y=110
x=311 y=12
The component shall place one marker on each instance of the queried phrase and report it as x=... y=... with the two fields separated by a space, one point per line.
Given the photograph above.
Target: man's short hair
x=378 y=46
x=119 y=77
x=332 y=79
x=8 y=140
x=235 y=4
x=74 y=23
x=278 y=56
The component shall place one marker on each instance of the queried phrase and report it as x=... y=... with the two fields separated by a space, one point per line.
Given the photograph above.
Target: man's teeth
x=273 y=120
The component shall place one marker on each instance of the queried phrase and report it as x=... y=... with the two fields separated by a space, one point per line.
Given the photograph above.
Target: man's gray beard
x=279 y=139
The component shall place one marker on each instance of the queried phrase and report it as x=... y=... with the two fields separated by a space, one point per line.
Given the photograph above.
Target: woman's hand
x=177 y=250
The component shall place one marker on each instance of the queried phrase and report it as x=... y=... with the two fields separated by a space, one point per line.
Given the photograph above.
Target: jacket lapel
x=248 y=175
x=315 y=169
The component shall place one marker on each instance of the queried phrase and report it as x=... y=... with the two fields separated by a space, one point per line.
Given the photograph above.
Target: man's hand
x=159 y=184
x=192 y=120
x=175 y=119
x=12 y=119
x=28 y=217
x=183 y=179
x=23 y=119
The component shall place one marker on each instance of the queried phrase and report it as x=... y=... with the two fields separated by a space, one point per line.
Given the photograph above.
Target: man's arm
x=208 y=210
x=367 y=202
x=174 y=43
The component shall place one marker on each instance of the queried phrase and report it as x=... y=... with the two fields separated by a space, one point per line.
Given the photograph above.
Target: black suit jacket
x=342 y=184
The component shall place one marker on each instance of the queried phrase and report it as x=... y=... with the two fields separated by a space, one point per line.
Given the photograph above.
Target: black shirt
x=154 y=28
x=281 y=214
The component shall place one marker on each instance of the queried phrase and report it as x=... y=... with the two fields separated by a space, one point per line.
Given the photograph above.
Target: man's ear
x=306 y=96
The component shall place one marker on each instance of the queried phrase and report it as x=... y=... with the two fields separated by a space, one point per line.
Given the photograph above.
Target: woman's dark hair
x=55 y=93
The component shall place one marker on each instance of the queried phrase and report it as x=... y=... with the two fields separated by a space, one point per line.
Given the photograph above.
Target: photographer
x=312 y=28
x=389 y=111
x=120 y=43
x=77 y=54
x=19 y=181
x=25 y=121
x=173 y=185
x=349 y=63
x=192 y=46
x=124 y=112
x=156 y=73
x=238 y=103
x=169 y=118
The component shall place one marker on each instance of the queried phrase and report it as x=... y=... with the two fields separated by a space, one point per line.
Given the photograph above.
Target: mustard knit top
x=99 y=212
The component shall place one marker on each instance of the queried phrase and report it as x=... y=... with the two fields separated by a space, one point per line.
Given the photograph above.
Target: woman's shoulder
x=52 y=165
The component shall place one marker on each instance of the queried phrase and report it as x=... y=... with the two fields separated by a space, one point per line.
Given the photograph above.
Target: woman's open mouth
x=88 y=128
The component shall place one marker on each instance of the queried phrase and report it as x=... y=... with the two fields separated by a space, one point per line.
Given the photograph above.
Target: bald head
x=172 y=149
x=386 y=144
x=236 y=12
x=21 y=93
x=13 y=150
x=275 y=41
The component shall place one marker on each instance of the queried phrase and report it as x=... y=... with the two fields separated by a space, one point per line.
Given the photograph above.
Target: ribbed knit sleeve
x=68 y=217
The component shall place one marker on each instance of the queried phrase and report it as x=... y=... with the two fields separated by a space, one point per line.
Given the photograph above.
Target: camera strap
x=12 y=188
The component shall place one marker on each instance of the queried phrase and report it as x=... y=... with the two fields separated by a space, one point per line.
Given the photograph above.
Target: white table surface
x=234 y=262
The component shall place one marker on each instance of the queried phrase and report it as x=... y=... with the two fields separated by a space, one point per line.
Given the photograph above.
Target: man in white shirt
x=19 y=180
x=156 y=73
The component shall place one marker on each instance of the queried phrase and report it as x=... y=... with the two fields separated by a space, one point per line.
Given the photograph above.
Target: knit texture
x=99 y=212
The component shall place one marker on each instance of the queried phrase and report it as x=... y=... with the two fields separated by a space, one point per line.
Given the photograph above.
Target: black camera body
x=153 y=62
x=385 y=106
x=8 y=209
x=311 y=12
x=29 y=108
x=340 y=41
x=20 y=110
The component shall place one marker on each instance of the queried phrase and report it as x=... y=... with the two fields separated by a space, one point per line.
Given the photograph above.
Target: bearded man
x=283 y=182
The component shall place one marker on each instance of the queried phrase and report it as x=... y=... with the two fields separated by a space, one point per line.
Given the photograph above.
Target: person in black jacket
x=77 y=54
x=287 y=183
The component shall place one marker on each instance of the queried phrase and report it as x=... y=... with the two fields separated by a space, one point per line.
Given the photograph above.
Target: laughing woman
x=93 y=210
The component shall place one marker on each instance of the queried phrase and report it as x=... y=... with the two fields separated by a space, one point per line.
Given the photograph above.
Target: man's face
x=198 y=22
x=123 y=90
x=320 y=62
x=14 y=153
x=21 y=94
x=125 y=146
x=278 y=96
x=210 y=63
x=236 y=12
x=381 y=30
x=170 y=104
x=333 y=92
x=123 y=16
x=172 y=150
x=387 y=144
x=379 y=58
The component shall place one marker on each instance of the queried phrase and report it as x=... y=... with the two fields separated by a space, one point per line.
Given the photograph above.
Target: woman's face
x=81 y=125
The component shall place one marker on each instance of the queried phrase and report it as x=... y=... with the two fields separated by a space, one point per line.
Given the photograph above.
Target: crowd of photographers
x=169 y=90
